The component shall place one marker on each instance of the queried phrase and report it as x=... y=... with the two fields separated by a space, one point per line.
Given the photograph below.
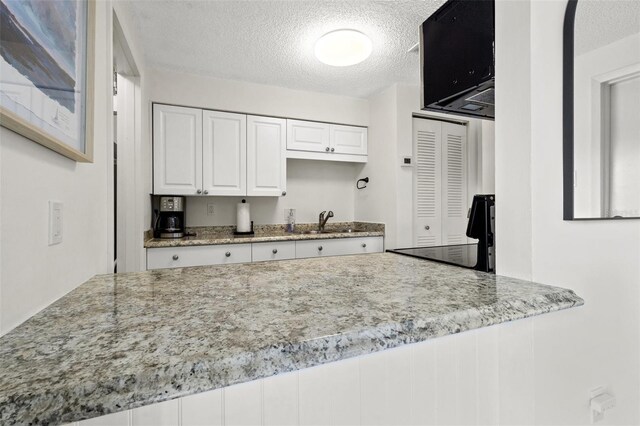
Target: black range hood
x=457 y=59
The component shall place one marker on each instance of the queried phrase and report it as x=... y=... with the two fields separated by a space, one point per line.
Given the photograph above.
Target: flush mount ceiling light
x=342 y=48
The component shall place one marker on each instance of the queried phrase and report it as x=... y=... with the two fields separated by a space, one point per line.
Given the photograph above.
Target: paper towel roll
x=243 y=221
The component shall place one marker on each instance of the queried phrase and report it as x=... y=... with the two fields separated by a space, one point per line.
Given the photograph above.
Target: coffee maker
x=170 y=218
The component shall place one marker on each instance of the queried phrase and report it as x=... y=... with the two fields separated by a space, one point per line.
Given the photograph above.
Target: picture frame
x=47 y=73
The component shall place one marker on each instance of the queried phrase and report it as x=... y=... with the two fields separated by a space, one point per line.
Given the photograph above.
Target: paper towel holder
x=244 y=234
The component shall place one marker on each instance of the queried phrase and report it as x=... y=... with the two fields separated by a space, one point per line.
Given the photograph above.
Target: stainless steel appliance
x=170 y=218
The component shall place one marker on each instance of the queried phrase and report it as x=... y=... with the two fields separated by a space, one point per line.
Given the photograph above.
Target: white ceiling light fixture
x=342 y=48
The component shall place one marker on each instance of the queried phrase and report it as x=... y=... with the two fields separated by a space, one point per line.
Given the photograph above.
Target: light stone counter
x=122 y=341
x=217 y=235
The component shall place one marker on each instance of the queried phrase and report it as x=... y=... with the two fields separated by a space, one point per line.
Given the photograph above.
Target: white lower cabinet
x=179 y=257
x=281 y=250
x=338 y=247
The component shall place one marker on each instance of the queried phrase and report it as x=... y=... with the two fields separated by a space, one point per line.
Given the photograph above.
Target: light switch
x=55 y=222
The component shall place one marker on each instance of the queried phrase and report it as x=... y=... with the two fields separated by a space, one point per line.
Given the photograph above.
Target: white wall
x=597 y=344
x=34 y=274
x=312 y=186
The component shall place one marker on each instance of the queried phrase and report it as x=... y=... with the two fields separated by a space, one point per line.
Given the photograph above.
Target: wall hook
x=365 y=180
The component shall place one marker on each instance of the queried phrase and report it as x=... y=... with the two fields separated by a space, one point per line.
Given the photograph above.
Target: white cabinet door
x=224 y=151
x=177 y=150
x=308 y=136
x=455 y=202
x=427 y=183
x=348 y=140
x=180 y=257
x=338 y=247
x=266 y=156
x=281 y=250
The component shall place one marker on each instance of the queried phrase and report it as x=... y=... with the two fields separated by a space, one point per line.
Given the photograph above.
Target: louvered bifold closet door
x=454 y=184
x=427 y=182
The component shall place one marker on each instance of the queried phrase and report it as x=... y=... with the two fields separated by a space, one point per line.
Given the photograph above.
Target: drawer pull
x=319 y=248
x=274 y=251
x=175 y=257
x=364 y=245
x=228 y=254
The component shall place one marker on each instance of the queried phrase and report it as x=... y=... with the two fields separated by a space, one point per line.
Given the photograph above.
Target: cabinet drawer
x=178 y=257
x=281 y=250
x=338 y=247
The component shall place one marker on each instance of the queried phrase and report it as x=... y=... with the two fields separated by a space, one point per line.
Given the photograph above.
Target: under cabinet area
x=184 y=256
x=203 y=152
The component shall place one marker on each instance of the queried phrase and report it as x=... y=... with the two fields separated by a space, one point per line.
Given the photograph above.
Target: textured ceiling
x=271 y=42
x=601 y=22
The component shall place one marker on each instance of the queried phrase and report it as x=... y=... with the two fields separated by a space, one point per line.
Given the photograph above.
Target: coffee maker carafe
x=170 y=220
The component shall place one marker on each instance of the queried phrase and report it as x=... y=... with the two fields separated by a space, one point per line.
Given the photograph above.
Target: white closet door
x=455 y=202
x=427 y=182
x=307 y=136
x=266 y=156
x=224 y=152
x=177 y=150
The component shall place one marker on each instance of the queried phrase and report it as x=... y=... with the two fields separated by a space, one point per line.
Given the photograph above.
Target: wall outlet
x=210 y=210
x=55 y=222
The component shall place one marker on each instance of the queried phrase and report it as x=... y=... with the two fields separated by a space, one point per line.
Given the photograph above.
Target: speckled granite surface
x=214 y=235
x=123 y=341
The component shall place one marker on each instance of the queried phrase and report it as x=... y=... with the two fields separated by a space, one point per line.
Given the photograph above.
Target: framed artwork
x=46 y=73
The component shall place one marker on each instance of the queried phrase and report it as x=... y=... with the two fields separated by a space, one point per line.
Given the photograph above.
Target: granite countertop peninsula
x=123 y=341
x=213 y=235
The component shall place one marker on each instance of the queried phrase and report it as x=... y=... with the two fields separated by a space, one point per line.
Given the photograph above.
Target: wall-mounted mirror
x=602 y=109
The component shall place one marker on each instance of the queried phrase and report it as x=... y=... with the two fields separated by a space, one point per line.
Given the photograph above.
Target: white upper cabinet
x=308 y=136
x=224 y=151
x=323 y=141
x=348 y=140
x=266 y=156
x=177 y=151
x=203 y=152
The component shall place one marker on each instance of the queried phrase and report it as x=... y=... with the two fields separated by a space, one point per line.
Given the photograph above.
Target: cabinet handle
x=284 y=193
x=228 y=254
x=206 y=191
x=175 y=257
x=327 y=149
x=319 y=248
x=199 y=191
x=364 y=245
x=274 y=251
x=333 y=149
x=427 y=227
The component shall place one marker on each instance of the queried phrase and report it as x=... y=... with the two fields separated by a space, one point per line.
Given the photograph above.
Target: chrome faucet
x=322 y=220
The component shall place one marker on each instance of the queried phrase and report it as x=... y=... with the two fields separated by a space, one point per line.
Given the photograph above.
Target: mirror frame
x=567 y=118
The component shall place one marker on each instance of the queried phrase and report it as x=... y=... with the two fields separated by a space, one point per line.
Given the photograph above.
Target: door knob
x=228 y=254
x=175 y=257
x=427 y=227
x=284 y=193
x=364 y=245
x=199 y=191
x=333 y=149
x=327 y=149
x=274 y=251
x=206 y=192
x=319 y=248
